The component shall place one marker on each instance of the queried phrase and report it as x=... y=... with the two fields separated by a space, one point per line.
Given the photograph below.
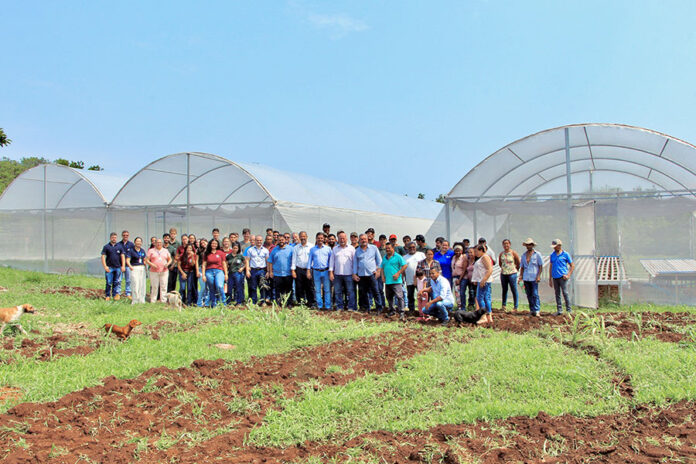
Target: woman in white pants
x=159 y=259
x=136 y=263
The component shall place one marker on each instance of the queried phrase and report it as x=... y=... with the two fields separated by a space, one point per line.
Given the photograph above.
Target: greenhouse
x=53 y=218
x=192 y=192
x=621 y=198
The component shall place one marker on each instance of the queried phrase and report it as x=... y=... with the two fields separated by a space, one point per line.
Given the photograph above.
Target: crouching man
x=440 y=298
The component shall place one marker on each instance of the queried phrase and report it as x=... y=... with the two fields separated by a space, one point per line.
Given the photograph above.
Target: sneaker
x=129 y=297
x=558 y=313
x=107 y=298
x=402 y=317
x=117 y=297
x=444 y=323
x=535 y=314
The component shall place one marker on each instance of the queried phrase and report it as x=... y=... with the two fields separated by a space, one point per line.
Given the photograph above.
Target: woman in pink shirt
x=158 y=259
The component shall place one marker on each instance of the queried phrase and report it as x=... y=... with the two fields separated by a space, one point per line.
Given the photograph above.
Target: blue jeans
x=203 y=295
x=127 y=275
x=463 y=288
x=560 y=286
x=235 y=285
x=511 y=281
x=256 y=275
x=113 y=282
x=344 y=283
x=439 y=310
x=322 y=278
x=187 y=288
x=532 y=291
x=216 y=286
x=483 y=297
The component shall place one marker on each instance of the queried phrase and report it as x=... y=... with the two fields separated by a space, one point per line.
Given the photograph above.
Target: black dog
x=470 y=317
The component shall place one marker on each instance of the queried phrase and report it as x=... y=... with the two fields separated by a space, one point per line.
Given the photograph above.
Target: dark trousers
x=411 y=291
x=304 y=287
x=369 y=289
x=472 y=293
x=283 y=287
x=253 y=283
x=236 y=283
x=395 y=297
x=188 y=288
x=173 y=277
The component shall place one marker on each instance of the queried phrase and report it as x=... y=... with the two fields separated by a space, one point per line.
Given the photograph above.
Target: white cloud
x=338 y=25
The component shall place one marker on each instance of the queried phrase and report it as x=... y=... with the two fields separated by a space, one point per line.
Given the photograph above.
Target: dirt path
x=166 y=413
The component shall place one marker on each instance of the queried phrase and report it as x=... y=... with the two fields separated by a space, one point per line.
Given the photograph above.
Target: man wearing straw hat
x=531 y=265
x=560 y=272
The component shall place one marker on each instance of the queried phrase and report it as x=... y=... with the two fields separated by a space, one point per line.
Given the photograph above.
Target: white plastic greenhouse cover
x=620 y=156
x=214 y=181
x=65 y=188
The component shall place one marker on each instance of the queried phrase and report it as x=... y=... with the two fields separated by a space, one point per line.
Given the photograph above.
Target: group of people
x=338 y=271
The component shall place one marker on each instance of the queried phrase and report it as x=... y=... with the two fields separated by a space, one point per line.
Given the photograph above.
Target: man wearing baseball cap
x=561 y=270
x=531 y=265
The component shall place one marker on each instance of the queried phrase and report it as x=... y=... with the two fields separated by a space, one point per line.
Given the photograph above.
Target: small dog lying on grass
x=469 y=317
x=173 y=299
x=122 y=332
x=12 y=315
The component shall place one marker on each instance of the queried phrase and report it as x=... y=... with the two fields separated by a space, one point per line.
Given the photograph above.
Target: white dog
x=174 y=299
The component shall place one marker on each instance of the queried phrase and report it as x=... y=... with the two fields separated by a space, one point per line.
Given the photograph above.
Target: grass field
x=297 y=386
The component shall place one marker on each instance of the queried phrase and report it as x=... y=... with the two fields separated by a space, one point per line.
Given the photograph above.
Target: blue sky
x=403 y=96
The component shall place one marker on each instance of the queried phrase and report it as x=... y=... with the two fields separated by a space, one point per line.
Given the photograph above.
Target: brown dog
x=12 y=315
x=122 y=332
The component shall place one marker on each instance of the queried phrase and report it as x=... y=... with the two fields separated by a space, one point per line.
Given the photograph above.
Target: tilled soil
x=642 y=435
x=47 y=348
x=623 y=325
x=165 y=413
x=90 y=293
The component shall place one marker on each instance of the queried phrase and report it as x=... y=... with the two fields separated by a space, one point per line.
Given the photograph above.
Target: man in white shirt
x=441 y=299
x=256 y=264
x=341 y=272
x=412 y=258
x=304 y=287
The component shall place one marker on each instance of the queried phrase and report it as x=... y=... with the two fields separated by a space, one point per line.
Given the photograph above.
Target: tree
x=77 y=164
x=440 y=198
x=62 y=162
x=4 y=141
x=9 y=169
x=421 y=196
x=95 y=167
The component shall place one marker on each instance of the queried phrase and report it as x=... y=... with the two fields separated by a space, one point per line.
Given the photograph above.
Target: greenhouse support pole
x=475 y=238
x=43 y=221
x=448 y=222
x=569 y=190
x=188 y=193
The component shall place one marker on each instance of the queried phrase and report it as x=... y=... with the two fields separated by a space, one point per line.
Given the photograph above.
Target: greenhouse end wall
x=625 y=230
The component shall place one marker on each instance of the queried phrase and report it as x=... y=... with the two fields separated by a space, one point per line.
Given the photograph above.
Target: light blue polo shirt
x=281 y=259
x=391 y=266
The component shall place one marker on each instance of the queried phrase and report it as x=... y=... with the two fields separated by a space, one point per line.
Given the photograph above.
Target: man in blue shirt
x=112 y=261
x=561 y=270
x=126 y=247
x=441 y=299
x=279 y=263
x=531 y=264
x=318 y=267
x=366 y=270
x=393 y=267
